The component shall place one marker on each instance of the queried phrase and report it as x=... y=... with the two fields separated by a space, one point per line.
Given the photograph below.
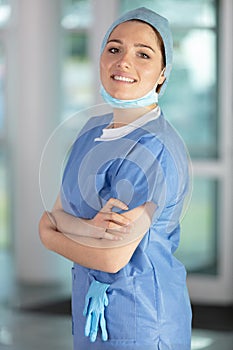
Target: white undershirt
x=109 y=134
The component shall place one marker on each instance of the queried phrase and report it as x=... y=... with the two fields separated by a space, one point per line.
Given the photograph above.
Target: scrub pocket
x=120 y=314
x=146 y=292
x=131 y=314
x=80 y=285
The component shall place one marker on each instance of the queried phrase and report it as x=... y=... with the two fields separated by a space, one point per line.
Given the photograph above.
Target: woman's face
x=131 y=63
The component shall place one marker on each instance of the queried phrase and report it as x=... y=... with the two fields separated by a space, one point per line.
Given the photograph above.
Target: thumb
x=86 y=306
x=105 y=300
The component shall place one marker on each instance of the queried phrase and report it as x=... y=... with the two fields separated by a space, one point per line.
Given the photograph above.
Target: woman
x=125 y=182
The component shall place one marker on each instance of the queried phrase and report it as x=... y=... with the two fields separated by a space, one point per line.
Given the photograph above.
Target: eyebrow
x=136 y=45
x=146 y=46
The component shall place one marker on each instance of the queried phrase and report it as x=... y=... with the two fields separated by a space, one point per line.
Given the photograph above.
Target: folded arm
x=108 y=259
x=106 y=224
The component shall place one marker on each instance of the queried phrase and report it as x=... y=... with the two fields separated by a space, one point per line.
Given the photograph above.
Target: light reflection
x=78 y=16
x=199 y=342
x=5 y=12
x=5 y=336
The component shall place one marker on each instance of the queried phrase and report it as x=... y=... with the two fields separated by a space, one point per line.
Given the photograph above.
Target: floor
x=26 y=324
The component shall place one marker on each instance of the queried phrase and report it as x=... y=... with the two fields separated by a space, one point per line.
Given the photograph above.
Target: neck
x=122 y=117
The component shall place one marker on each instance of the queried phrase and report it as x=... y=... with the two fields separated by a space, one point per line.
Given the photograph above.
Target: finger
x=105 y=300
x=93 y=336
x=117 y=218
x=85 y=310
x=116 y=228
x=112 y=236
x=94 y=326
x=114 y=202
x=86 y=305
x=103 y=328
x=88 y=325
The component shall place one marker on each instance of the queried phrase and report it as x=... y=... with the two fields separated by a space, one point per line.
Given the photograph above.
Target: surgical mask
x=149 y=99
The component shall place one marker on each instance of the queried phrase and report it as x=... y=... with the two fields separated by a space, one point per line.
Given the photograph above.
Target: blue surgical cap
x=156 y=21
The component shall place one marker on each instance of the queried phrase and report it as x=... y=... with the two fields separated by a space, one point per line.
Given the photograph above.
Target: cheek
x=149 y=78
x=151 y=74
x=102 y=68
x=104 y=64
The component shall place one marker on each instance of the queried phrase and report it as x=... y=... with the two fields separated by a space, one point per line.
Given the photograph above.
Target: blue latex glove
x=95 y=302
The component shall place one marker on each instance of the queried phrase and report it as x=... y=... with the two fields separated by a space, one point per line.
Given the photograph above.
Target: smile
x=124 y=79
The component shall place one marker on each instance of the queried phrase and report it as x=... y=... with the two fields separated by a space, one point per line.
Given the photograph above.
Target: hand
x=108 y=224
x=95 y=302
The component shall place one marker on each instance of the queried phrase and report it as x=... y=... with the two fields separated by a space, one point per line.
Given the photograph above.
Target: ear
x=161 y=80
x=162 y=77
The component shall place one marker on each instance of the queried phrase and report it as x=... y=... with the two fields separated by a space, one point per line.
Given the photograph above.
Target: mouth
x=123 y=79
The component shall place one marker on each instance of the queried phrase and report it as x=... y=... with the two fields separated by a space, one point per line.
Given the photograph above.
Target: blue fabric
x=156 y=21
x=149 y=306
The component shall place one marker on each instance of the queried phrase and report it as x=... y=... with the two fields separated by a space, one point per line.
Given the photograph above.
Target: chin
x=122 y=96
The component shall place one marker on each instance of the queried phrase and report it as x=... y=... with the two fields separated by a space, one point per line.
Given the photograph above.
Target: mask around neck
x=150 y=98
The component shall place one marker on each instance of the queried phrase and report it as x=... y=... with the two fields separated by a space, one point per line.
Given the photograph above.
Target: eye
x=143 y=55
x=113 y=50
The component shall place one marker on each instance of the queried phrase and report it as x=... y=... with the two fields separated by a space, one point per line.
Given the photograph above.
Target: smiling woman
x=131 y=63
x=118 y=211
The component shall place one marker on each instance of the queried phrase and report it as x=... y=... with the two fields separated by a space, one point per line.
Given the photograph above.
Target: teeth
x=128 y=80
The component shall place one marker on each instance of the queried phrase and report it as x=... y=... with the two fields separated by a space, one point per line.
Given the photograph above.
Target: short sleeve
x=150 y=173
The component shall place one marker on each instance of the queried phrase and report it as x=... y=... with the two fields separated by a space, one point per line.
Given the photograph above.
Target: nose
x=124 y=60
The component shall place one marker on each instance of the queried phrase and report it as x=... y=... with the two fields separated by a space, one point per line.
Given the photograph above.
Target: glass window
x=190 y=101
x=77 y=77
x=5 y=12
x=199 y=229
x=4 y=239
x=4 y=234
x=2 y=93
x=188 y=13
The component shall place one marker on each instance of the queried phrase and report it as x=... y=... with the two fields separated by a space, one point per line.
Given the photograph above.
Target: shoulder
x=159 y=134
x=92 y=129
x=159 y=143
x=96 y=122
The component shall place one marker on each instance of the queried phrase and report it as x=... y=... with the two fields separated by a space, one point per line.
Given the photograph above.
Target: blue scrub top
x=149 y=307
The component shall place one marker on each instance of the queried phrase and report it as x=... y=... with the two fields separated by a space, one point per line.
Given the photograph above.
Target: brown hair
x=159 y=38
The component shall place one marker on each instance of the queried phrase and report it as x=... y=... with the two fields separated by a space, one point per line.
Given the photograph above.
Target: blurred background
x=49 y=52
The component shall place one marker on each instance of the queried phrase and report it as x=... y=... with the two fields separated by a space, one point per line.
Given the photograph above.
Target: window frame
x=5 y=134
x=219 y=288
